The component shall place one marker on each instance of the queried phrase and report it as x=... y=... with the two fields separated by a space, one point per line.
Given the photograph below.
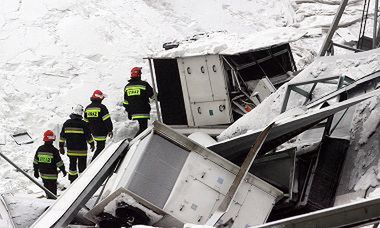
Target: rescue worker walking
x=76 y=134
x=46 y=162
x=136 y=99
x=99 y=120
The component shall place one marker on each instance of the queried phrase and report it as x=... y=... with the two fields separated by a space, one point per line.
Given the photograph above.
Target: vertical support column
x=327 y=42
x=154 y=89
x=286 y=99
x=375 y=14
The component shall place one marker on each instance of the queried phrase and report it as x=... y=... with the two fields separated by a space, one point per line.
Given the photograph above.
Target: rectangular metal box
x=189 y=181
x=205 y=90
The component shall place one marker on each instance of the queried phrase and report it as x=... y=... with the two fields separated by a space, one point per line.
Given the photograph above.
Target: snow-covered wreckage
x=210 y=80
x=290 y=155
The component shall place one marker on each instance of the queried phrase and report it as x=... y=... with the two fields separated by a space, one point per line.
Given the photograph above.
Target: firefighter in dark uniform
x=136 y=99
x=99 y=120
x=46 y=162
x=76 y=134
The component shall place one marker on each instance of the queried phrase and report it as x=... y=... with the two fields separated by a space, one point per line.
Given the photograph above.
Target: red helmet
x=136 y=72
x=49 y=136
x=98 y=95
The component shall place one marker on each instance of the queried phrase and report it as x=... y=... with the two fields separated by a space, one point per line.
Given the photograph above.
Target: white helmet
x=78 y=110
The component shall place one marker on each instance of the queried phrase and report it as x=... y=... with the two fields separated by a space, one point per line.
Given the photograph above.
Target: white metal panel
x=256 y=208
x=194 y=209
x=201 y=187
x=205 y=90
x=123 y=175
x=233 y=213
x=185 y=92
x=202 y=138
x=265 y=88
x=197 y=79
x=217 y=77
x=192 y=199
x=211 y=113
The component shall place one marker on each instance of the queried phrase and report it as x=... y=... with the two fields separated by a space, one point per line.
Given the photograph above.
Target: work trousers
x=99 y=147
x=51 y=185
x=76 y=161
x=143 y=124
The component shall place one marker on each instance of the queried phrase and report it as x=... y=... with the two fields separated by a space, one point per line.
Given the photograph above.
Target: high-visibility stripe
x=59 y=164
x=140 y=116
x=49 y=176
x=100 y=138
x=80 y=153
x=62 y=140
x=90 y=141
x=125 y=102
x=35 y=161
x=75 y=154
x=105 y=117
x=73 y=128
x=74 y=132
x=73 y=173
x=45 y=153
x=92 y=109
x=85 y=120
x=135 y=87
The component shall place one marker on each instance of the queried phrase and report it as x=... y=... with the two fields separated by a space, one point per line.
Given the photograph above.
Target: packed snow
x=54 y=53
x=24 y=209
x=111 y=207
x=225 y=43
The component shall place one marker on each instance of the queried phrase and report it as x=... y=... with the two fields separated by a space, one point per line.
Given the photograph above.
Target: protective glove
x=110 y=134
x=92 y=147
x=64 y=173
x=62 y=150
x=36 y=174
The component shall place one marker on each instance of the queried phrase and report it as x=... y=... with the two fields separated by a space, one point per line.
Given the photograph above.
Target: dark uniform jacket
x=136 y=99
x=46 y=161
x=99 y=120
x=76 y=134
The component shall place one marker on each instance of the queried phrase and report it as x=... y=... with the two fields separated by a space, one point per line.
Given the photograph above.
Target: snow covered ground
x=54 y=53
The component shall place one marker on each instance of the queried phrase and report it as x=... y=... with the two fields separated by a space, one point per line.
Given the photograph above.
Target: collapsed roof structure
x=215 y=78
x=163 y=178
x=160 y=186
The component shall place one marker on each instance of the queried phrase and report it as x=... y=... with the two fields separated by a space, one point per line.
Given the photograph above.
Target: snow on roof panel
x=231 y=43
x=285 y=126
x=353 y=65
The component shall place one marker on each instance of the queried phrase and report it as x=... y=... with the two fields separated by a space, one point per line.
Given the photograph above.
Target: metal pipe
x=154 y=89
x=239 y=178
x=29 y=177
x=336 y=125
x=333 y=27
x=374 y=40
x=361 y=25
x=101 y=191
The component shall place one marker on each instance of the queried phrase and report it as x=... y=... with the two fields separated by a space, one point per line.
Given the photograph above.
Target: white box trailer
x=216 y=87
x=187 y=182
